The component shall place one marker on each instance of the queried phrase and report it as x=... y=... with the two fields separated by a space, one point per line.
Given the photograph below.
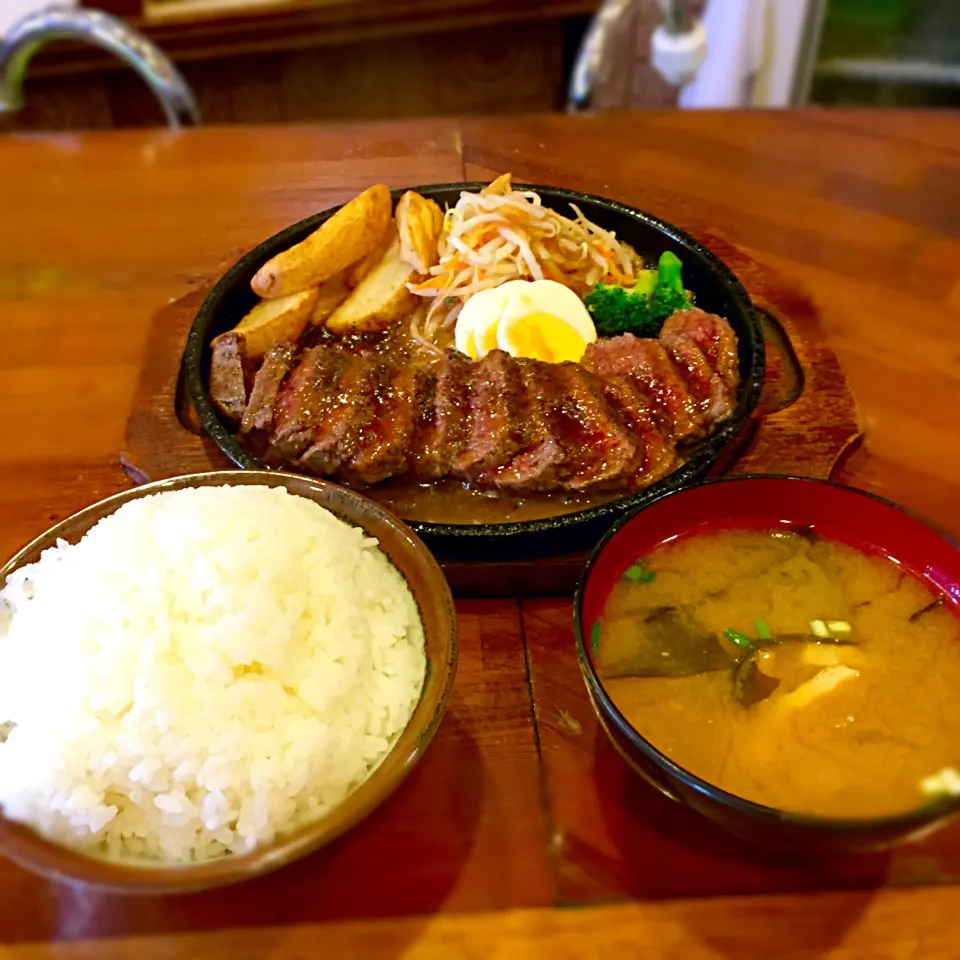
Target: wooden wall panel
x=480 y=70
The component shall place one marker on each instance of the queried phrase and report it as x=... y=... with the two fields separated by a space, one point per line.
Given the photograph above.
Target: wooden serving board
x=805 y=425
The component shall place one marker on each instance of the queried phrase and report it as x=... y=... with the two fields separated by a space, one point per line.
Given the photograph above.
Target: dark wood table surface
x=520 y=810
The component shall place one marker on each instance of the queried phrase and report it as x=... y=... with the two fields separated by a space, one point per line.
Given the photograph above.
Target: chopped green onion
x=450 y=301
x=594 y=636
x=734 y=636
x=763 y=630
x=838 y=626
x=638 y=574
x=819 y=628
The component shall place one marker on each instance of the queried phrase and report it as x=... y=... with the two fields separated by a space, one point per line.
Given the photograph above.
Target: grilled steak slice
x=598 y=448
x=345 y=418
x=444 y=422
x=266 y=388
x=228 y=389
x=656 y=453
x=384 y=448
x=304 y=399
x=648 y=365
x=713 y=335
x=714 y=398
x=536 y=466
x=495 y=434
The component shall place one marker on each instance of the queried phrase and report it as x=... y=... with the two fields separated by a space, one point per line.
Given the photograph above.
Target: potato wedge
x=380 y=299
x=350 y=234
x=499 y=187
x=357 y=271
x=276 y=321
x=330 y=294
x=419 y=221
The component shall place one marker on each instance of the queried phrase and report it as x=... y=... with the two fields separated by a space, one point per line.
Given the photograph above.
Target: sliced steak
x=342 y=423
x=304 y=399
x=598 y=448
x=258 y=416
x=646 y=363
x=444 y=422
x=713 y=335
x=537 y=465
x=714 y=398
x=656 y=453
x=228 y=389
x=495 y=434
x=384 y=448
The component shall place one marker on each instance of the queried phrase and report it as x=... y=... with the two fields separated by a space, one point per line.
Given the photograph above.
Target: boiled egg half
x=539 y=319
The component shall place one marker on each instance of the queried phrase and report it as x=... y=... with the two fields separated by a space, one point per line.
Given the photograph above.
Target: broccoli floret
x=642 y=308
x=668 y=293
x=618 y=310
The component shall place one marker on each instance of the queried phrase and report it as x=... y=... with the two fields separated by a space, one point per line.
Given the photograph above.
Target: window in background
x=887 y=53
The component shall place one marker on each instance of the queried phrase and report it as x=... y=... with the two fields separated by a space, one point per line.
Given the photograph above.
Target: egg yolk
x=485 y=340
x=543 y=336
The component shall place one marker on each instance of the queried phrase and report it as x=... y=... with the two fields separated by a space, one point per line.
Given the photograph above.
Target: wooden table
x=520 y=809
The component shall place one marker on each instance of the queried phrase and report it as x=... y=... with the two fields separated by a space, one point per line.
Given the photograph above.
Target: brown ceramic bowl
x=432 y=594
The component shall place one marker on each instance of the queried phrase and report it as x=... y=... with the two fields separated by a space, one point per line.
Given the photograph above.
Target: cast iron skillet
x=716 y=290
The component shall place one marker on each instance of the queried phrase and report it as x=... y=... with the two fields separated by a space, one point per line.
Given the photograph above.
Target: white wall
x=12 y=10
x=784 y=51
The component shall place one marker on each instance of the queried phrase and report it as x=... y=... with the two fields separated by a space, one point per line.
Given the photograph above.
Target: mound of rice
x=206 y=669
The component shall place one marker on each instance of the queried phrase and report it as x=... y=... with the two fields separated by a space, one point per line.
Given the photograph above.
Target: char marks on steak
x=384 y=446
x=495 y=431
x=519 y=425
x=305 y=397
x=712 y=335
x=649 y=366
x=444 y=422
x=537 y=465
x=598 y=447
x=656 y=454
x=258 y=416
x=353 y=406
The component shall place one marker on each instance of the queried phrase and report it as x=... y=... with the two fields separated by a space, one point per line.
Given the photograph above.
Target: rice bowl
x=205 y=671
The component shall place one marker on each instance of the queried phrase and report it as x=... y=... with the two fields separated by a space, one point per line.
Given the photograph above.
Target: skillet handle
x=807 y=421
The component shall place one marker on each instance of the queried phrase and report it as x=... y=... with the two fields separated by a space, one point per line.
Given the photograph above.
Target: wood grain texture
x=100 y=231
x=892 y=925
x=317 y=60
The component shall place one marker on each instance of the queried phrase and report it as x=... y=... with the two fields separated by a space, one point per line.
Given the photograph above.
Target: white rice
x=206 y=669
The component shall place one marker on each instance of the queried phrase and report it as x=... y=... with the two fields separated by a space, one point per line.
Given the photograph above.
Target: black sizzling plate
x=716 y=290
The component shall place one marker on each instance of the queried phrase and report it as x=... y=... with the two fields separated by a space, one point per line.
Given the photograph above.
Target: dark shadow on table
x=397 y=863
x=667 y=850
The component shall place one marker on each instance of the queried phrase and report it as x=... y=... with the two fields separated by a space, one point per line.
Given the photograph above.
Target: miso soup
x=790 y=670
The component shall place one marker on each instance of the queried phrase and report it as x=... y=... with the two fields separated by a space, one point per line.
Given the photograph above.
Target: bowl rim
x=602 y=702
x=32 y=851
x=705 y=453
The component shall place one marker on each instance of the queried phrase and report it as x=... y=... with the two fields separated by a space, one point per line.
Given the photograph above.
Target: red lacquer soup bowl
x=849 y=516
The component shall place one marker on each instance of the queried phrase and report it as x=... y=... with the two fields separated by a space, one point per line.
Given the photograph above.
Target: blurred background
x=255 y=61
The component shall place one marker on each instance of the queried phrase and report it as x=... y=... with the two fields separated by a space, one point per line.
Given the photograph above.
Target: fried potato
x=330 y=294
x=275 y=321
x=499 y=187
x=357 y=271
x=350 y=234
x=419 y=221
x=380 y=299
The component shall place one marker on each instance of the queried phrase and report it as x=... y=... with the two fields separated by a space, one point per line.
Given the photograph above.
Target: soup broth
x=790 y=670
